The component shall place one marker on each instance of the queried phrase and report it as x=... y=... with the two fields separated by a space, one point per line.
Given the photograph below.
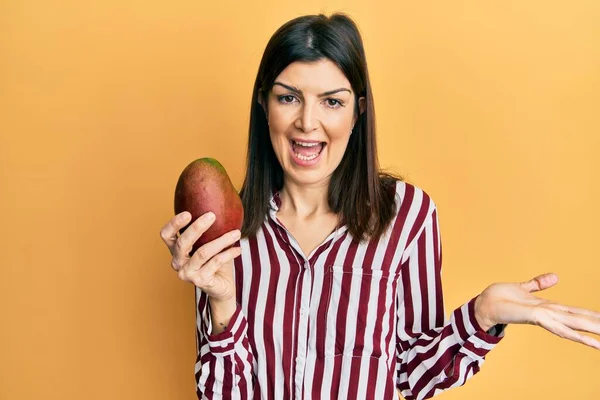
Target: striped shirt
x=352 y=320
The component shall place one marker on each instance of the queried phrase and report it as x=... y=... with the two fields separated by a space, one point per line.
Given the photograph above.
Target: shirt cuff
x=466 y=324
x=222 y=344
x=494 y=334
x=476 y=342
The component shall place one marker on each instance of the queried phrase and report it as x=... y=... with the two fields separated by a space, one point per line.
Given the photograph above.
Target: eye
x=286 y=99
x=334 y=103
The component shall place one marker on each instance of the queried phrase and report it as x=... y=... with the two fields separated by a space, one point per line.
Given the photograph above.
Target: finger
x=208 y=270
x=221 y=259
x=561 y=330
x=579 y=322
x=186 y=240
x=168 y=233
x=210 y=249
x=540 y=282
x=574 y=310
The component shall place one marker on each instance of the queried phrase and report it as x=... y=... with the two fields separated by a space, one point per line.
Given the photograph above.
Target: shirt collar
x=275 y=203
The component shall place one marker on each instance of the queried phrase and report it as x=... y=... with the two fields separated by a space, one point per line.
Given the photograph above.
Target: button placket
x=302 y=345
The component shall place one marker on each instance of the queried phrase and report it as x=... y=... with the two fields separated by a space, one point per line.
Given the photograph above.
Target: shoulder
x=411 y=198
x=415 y=209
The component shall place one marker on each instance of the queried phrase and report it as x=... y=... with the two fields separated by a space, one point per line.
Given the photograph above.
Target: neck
x=304 y=202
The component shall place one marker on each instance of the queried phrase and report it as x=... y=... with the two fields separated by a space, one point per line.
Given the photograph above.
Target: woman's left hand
x=513 y=303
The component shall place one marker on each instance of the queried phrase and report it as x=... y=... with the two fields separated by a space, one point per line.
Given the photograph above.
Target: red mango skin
x=204 y=186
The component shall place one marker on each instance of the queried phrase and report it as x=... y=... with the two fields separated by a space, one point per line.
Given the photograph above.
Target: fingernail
x=209 y=216
x=236 y=234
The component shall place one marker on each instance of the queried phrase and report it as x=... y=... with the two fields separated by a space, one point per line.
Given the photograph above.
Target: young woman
x=333 y=287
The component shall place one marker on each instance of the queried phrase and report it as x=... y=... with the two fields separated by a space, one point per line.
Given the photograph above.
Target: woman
x=337 y=292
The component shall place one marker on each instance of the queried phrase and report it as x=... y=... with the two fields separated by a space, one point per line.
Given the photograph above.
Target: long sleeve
x=224 y=362
x=433 y=354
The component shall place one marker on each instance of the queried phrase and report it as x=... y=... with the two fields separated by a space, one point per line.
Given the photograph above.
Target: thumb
x=540 y=282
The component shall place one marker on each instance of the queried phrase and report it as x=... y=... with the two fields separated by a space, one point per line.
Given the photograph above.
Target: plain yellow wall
x=490 y=106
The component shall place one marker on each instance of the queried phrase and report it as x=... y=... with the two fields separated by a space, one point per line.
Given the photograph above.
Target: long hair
x=362 y=194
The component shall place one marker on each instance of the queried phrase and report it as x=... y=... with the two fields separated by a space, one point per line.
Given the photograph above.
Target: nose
x=307 y=120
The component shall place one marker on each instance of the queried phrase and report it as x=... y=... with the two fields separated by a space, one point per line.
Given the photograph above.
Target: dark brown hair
x=362 y=194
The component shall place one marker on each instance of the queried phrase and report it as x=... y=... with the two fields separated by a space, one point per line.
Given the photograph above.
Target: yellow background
x=490 y=106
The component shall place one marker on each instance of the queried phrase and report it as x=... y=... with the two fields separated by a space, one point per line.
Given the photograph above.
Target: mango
x=204 y=186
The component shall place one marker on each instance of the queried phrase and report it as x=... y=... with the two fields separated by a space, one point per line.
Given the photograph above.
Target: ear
x=362 y=105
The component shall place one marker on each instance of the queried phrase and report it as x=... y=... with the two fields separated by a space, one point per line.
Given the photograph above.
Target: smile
x=306 y=153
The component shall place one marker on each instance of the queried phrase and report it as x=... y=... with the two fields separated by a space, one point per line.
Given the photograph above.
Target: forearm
x=224 y=363
x=221 y=312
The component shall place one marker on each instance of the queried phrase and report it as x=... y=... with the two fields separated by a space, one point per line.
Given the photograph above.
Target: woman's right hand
x=209 y=268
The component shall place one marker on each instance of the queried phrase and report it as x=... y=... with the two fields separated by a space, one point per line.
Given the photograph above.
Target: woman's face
x=311 y=114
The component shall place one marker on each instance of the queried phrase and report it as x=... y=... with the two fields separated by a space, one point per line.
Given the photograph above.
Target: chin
x=306 y=177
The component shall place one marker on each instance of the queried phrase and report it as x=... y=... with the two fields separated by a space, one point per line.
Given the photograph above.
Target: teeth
x=312 y=156
x=306 y=144
x=300 y=156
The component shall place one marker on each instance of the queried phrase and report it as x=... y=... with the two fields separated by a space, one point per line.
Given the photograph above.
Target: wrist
x=482 y=314
x=221 y=301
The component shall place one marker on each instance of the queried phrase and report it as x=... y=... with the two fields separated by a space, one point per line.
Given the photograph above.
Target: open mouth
x=307 y=151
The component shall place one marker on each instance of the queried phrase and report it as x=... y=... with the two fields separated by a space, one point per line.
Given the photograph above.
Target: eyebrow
x=298 y=91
